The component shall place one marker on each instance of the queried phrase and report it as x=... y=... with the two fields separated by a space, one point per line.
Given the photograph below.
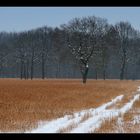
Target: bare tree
x=104 y=48
x=20 y=53
x=83 y=35
x=45 y=41
x=32 y=42
x=45 y=52
x=125 y=33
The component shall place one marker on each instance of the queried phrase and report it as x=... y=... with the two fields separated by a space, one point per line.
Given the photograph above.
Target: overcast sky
x=25 y=18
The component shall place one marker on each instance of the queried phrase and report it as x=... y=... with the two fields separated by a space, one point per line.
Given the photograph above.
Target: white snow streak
x=136 y=120
x=98 y=116
x=54 y=125
x=96 y=121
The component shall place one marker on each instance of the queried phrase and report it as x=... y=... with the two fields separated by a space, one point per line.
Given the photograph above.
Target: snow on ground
x=54 y=125
x=97 y=117
x=95 y=122
x=136 y=119
x=138 y=88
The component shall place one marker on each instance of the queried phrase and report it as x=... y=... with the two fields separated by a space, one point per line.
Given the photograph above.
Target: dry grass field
x=24 y=102
x=128 y=123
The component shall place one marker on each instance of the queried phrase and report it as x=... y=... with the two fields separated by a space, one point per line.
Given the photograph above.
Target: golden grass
x=111 y=125
x=136 y=105
x=126 y=98
x=128 y=118
x=68 y=128
x=135 y=110
x=25 y=102
x=107 y=126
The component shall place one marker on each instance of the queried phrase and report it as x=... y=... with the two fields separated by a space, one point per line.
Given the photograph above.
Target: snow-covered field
x=89 y=120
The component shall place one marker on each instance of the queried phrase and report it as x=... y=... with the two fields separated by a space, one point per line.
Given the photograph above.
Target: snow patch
x=54 y=125
x=138 y=88
x=136 y=119
x=98 y=115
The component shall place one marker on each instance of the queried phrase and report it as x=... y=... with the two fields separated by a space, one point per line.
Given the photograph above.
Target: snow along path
x=98 y=115
x=54 y=125
x=96 y=121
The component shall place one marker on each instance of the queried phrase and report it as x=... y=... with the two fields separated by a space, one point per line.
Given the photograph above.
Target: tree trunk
x=27 y=69
x=46 y=71
x=126 y=75
x=134 y=75
x=104 y=74
x=58 y=70
x=96 y=74
x=123 y=67
x=85 y=74
x=104 y=68
x=32 y=69
x=73 y=72
x=32 y=64
x=17 y=70
x=21 y=70
x=24 y=70
x=43 y=67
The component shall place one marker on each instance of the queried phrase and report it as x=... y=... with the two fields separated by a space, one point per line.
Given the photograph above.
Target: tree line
x=89 y=47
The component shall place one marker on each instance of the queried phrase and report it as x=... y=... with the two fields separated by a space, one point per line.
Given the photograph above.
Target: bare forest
x=84 y=48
